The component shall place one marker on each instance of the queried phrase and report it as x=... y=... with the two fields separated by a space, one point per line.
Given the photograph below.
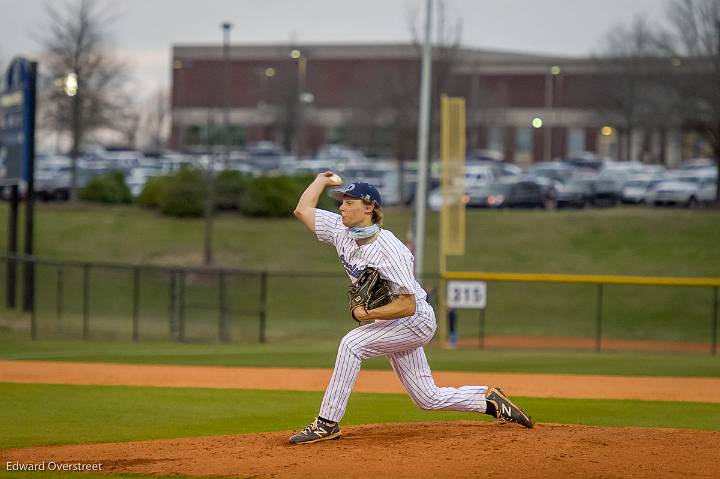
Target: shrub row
x=107 y=188
x=184 y=193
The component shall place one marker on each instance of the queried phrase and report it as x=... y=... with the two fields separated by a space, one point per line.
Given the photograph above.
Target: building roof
x=355 y=50
x=469 y=60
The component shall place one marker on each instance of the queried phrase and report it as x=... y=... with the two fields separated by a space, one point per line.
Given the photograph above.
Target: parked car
x=385 y=176
x=6 y=190
x=52 y=176
x=484 y=155
x=554 y=170
x=672 y=192
x=634 y=189
x=52 y=182
x=705 y=181
x=478 y=175
x=653 y=169
x=698 y=164
x=340 y=154
x=548 y=186
x=435 y=199
x=264 y=149
x=122 y=160
x=620 y=171
x=606 y=192
x=588 y=162
x=507 y=194
x=500 y=169
x=597 y=191
x=138 y=177
x=575 y=194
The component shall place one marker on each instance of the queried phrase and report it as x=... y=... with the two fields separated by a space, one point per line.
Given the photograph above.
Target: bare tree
x=385 y=99
x=693 y=40
x=128 y=125
x=446 y=48
x=86 y=80
x=157 y=116
x=632 y=86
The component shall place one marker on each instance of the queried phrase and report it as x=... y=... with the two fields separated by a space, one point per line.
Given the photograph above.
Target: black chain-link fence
x=119 y=301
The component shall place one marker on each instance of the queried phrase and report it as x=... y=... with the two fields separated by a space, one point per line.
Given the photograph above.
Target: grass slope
x=637 y=241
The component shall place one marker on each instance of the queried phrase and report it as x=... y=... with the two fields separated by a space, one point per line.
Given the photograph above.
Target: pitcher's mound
x=412 y=450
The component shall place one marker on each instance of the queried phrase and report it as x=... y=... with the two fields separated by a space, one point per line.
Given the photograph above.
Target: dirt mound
x=419 y=450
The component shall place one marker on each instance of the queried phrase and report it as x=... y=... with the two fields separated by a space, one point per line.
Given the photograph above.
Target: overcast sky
x=146 y=29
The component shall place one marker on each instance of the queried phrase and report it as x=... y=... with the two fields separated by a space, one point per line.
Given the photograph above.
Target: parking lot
x=585 y=182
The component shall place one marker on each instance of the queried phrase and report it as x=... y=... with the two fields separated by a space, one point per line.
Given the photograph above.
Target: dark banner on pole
x=17 y=164
x=17 y=122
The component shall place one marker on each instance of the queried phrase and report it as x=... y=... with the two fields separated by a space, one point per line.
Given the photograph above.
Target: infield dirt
x=308 y=379
x=406 y=450
x=419 y=450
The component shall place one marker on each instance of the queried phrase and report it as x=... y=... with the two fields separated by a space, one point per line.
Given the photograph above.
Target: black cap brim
x=341 y=195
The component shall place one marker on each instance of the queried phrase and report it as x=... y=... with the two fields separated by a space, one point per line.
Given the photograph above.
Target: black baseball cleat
x=506 y=410
x=317 y=431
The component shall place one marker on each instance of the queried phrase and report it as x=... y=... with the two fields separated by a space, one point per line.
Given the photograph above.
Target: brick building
x=527 y=107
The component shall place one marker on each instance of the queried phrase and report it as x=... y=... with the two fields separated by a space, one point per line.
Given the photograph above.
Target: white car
x=478 y=175
x=706 y=186
x=673 y=192
x=633 y=191
x=435 y=199
x=635 y=187
x=137 y=178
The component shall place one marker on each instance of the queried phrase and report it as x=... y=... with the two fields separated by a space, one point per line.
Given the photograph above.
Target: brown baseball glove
x=369 y=291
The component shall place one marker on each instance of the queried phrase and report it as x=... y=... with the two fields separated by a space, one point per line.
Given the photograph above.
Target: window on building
x=337 y=135
x=214 y=135
x=495 y=139
x=695 y=145
x=575 y=141
x=523 y=145
x=382 y=141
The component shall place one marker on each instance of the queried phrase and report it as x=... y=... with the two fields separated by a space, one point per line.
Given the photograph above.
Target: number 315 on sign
x=467 y=294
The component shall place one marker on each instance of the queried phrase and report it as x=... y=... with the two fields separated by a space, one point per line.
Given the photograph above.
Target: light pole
x=299 y=99
x=422 y=143
x=226 y=27
x=549 y=105
x=210 y=175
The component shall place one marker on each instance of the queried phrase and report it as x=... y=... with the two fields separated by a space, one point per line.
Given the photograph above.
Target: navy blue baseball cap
x=360 y=190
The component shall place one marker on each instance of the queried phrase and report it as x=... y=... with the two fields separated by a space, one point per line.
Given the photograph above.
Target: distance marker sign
x=467 y=294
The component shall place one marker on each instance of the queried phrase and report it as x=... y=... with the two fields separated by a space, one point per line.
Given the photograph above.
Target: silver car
x=674 y=191
x=706 y=185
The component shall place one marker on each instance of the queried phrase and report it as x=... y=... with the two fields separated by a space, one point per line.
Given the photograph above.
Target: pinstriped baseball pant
x=401 y=340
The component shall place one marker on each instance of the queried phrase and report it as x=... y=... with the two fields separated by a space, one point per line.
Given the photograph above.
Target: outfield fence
x=628 y=312
x=102 y=300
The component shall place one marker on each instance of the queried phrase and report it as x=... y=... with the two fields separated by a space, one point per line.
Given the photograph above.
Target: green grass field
x=306 y=316
x=636 y=241
x=314 y=354
x=665 y=242
x=34 y=415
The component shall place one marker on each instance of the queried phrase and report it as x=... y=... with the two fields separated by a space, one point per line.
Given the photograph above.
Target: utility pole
x=226 y=27
x=210 y=174
x=422 y=144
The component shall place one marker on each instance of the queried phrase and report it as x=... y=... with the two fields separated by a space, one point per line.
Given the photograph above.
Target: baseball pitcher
x=397 y=319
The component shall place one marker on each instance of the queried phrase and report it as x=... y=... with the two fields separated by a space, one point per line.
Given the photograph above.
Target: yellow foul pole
x=452 y=212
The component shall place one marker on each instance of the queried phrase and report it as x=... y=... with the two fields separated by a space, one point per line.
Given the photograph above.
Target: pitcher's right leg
x=414 y=372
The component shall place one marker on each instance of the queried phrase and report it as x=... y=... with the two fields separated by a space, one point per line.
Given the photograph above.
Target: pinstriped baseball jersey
x=401 y=340
x=387 y=254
